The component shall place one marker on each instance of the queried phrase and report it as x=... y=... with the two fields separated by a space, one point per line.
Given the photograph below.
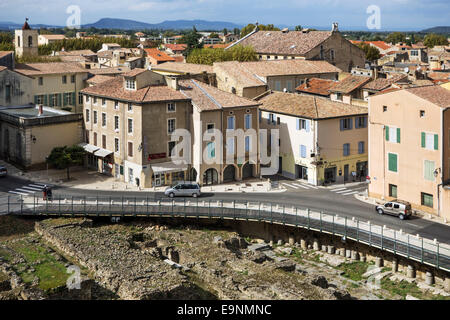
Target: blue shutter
x=247 y=144
x=342 y=124
x=356 y=123
x=307 y=125
x=361 y=147
x=351 y=124
x=260 y=116
x=298 y=124
x=302 y=151
x=365 y=122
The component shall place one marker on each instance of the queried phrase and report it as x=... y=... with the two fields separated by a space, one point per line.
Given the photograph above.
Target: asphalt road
x=315 y=199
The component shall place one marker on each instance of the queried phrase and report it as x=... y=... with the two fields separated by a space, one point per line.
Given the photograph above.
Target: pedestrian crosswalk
x=345 y=191
x=295 y=185
x=31 y=188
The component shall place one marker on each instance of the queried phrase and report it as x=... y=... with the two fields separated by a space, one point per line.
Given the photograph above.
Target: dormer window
x=130 y=84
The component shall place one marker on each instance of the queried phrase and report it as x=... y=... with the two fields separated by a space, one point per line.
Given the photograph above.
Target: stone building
x=15 y=88
x=29 y=133
x=26 y=40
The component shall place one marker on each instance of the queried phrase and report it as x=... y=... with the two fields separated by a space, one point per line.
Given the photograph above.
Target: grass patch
x=12 y=227
x=404 y=288
x=354 y=270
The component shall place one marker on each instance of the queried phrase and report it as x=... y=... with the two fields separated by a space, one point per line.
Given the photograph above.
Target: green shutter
x=59 y=99
x=436 y=142
x=429 y=170
x=64 y=100
x=392 y=158
x=398 y=135
x=387 y=133
x=45 y=100
x=74 y=94
x=423 y=136
x=50 y=102
x=35 y=99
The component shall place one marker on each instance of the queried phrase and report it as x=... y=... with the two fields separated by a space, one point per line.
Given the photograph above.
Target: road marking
x=343 y=191
x=21 y=193
x=290 y=185
x=300 y=185
x=24 y=190
x=34 y=185
x=31 y=188
x=339 y=189
x=349 y=193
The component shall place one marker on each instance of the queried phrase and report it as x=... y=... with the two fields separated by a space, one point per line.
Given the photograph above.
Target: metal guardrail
x=399 y=243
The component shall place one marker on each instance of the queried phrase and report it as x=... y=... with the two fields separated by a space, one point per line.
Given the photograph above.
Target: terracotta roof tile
x=286 y=43
x=317 y=86
x=112 y=70
x=158 y=55
x=350 y=83
x=134 y=72
x=184 y=67
x=206 y=97
x=176 y=47
x=381 y=84
x=308 y=106
x=114 y=89
x=34 y=69
x=99 y=79
x=435 y=94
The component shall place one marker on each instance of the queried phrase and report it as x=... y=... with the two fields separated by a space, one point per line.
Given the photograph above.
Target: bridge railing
x=413 y=247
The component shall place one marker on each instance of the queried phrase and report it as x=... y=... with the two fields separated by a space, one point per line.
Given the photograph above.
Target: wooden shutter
x=423 y=137
x=436 y=142
x=398 y=135
x=392 y=162
x=387 y=132
x=307 y=125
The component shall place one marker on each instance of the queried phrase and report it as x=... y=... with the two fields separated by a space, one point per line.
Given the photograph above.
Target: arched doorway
x=210 y=177
x=229 y=174
x=247 y=170
x=193 y=175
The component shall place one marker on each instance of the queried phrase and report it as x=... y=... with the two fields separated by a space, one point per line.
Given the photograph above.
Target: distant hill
x=445 y=30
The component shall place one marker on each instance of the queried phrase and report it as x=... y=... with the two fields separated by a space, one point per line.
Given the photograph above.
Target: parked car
x=184 y=190
x=399 y=208
x=3 y=171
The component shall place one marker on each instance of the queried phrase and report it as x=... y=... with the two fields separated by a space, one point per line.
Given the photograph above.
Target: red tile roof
x=317 y=86
x=350 y=83
x=158 y=55
x=434 y=94
x=176 y=47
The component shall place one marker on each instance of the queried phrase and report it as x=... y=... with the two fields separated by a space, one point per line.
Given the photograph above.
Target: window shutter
x=436 y=142
x=392 y=162
x=350 y=124
x=365 y=122
x=356 y=123
x=45 y=99
x=35 y=99
x=73 y=98
x=423 y=139
x=387 y=133
x=50 y=97
x=64 y=99
x=307 y=125
x=260 y=116
x=398 y=135
x=342 y=124
x=298 y=124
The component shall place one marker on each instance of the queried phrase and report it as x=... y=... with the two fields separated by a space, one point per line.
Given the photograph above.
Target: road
x=341 y=202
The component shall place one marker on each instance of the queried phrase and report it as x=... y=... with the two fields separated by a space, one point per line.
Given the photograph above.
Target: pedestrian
x=45 y=191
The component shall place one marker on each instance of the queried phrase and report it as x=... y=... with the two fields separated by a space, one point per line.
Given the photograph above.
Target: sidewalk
x=81 y=178
x=423 y=215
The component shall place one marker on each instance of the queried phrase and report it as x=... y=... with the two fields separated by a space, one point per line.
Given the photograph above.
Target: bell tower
x=26 y=40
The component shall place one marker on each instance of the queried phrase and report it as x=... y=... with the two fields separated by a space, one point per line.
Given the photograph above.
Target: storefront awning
x=88 y=147
x=168 y=167
x=102 y=153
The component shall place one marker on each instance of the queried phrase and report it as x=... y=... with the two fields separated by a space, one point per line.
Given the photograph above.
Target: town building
x=28 y=133
x=330 y=46
x=56 y=84
x=320 y=141
x=15 y=88
x=250 y=79
x=199 y=72
x=174 y=48
x=155 y=57
x=45 y=39
x=7 y=59
x=349 y=90
x=26 y=41
x=316 y=86
x=409 y=147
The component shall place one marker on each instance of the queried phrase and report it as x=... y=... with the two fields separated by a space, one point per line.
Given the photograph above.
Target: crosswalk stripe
x=349 y=193
x=24 y=190
x=43 y=185
x=339 y=189
x=301 y=186
x=21 y=193
x=290 y=185
x=31 y=188
x=34 y=185
x=343 y=191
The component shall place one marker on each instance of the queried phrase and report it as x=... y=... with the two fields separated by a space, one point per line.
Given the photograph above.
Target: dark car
x=3 y=171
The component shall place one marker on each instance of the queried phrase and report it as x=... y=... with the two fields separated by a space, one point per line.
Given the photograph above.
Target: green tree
x=433 y=39
x=372 y=53
x=298 y=28
x=213 y=35
x=236 y=31
x=396 y=37
x=66 y=157
x=250 y=27
x=225 y=31
x=210 y=55
x=191 y=39
x=6 y=41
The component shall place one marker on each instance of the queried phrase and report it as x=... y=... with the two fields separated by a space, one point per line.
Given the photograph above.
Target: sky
x=394 y=14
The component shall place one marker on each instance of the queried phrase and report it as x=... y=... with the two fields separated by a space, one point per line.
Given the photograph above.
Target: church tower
x=26 y=40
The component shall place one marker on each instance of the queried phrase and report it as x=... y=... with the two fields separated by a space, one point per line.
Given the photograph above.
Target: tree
x=66 y=157
x=210 y=55
x=298 y=28
x=236 y=31
x=191 y=39
x=250 y=27
x=396 y=37
x=433 y=39
x=225 y=31
x=372 y=53
x=213 y=35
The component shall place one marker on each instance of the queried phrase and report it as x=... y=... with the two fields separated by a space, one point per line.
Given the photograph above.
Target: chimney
x=334 y=27
x=40 y=110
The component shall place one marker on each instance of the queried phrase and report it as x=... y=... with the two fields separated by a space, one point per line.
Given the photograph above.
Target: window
x=41 y=81
x=426 y=199
x=87 y=115
x=103 y=119
x=72 y=78
x=332 y=55
x=429 y=141
x=422 y=113
x=86 y=134
x=95 y=138
x=116 y=105
x=80 y=98
x=339 y=96
x=170 y=125
x=231 y=122
x=277 y=85
x=210 y=127
x=230 y=145
x=130 y=84
x=130 y=125
x=171 y=147
x=392 y=162
x=428 y=170
x=95 y=117
x=247 y=144
x=171 y=107
x=346 y=124
x=88 y=98
x=67 y=98
x=103 y=102
x=361 y=147
x=384 y=108
x=303 y=124
x=278 y=120
x=289 y=85
x=39 y=99
x=393 y=191
x=130 y=107
x=346 y=149
x=211 y=150
x=392 y=134
x=103 y=141
x=116 y=123
x=130 y=149
x=116 y=144
x=95 y=100
x=54 y=100
x=271 y=118
x=361 y=122
x=302 y=151
x=248 y=121
x=64 y=79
